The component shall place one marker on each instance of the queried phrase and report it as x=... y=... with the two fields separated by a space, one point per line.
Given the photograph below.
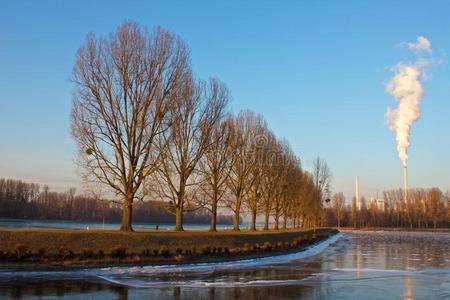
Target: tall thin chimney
x=405 y=184
x=358 y=203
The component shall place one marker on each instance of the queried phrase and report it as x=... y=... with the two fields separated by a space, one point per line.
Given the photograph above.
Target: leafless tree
x=215 y=166
x=308 y=206
x=123 y=88
x=322 y=180
x=241 y=176
x=270 y=172
x=196 y=111
x=284 y=166
x=436 y=206
x=338 y=206
x=259 y=149
x=293 y=188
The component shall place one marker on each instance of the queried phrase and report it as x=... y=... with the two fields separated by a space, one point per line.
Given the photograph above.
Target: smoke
x=421 y=44
x=406 y=88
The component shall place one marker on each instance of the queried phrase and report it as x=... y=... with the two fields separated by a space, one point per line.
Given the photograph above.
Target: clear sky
x=315 y=69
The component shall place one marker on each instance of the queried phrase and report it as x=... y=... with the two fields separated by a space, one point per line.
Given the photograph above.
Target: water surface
x=83 y=225
x=359 y=265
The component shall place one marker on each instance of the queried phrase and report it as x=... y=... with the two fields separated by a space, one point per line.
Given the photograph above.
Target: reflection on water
x=360 y=265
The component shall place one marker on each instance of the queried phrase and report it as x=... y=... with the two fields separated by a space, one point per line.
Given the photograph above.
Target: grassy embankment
x=25 y=248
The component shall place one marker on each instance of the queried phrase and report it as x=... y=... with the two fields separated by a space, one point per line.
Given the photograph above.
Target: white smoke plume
x=406 y=88
x=421 y=44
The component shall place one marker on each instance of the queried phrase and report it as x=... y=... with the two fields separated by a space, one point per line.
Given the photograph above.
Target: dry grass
x=104 y=247
x=79 y=240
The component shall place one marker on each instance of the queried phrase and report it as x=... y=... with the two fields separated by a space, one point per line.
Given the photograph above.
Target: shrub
x=226 y=250
x=119 y=251
x=88 y=253
x=280 y=245
x=179 y=258
x=246 y=248
x=65 y=252
x=101 y=254
x=267 y=246
x=179 y=251
x=187 y=252
x=136 y=259
x=214 y=250
x=8 y=254
x=41 y=252
x=20 y=251
x=315 y=236
x=219 y=249
x=206 y=250
x=164 y=250
x=155 y=252
x=236 y=250
x=194 y=250
x=256 y=247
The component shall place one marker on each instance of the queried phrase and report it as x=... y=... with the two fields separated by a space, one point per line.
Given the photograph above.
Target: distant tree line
x=424 y=208
x=147 y=128
x=21 y=200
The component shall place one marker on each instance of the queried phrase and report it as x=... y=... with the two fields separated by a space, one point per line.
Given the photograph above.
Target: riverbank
x=57 y=248
x=397 y=229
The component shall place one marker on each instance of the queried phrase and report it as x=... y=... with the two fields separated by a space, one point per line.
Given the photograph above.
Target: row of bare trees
x=147 y=128
x=425 y=208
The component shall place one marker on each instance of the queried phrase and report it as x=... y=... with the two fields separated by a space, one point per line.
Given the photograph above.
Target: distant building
x=380 y=204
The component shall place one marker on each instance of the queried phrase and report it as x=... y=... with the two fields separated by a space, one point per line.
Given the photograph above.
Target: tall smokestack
x=405 y=183
x=358 y=203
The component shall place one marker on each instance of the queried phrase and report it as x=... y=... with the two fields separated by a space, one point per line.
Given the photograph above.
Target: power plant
x=358 y=201
x=406 y=88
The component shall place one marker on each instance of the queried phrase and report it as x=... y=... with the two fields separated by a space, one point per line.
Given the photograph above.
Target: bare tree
x=285 y=166
x=195 y=114
x=436 y=207
x=259 y=150
x=269 y=176
x=241 y=180
x=122 y=88
x=322 y=180
x=308 y=205
x=293 y=187
x=215 y=165
x=338 y=206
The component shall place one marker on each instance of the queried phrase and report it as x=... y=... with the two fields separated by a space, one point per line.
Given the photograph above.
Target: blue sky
x=315 y=69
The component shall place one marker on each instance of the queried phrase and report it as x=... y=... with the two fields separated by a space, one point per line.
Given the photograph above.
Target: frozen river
x=359 y=265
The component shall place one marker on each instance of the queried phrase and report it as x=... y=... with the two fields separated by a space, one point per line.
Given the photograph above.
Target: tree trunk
x=266 y=221
x=127 y=214
x=277 y=220
x=284 y=222
x=179 y=218
x=236 y=214
x=254 y=220
x=213 y=226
